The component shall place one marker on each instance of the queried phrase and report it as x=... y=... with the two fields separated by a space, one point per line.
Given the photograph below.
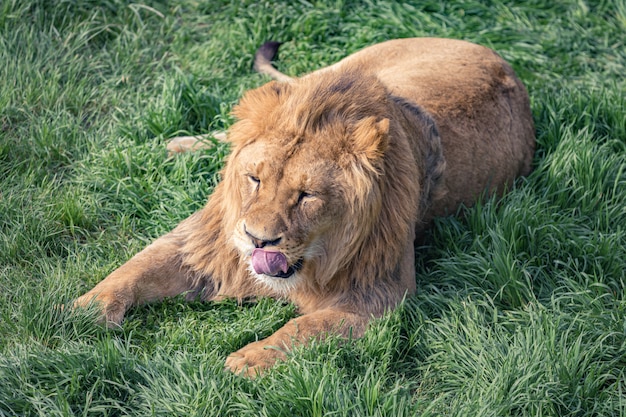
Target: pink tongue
x=268 y=262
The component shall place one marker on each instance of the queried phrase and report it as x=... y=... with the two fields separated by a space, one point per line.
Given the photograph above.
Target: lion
x=331 y=178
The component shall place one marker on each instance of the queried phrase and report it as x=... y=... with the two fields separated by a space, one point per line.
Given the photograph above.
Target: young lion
x=330 y=179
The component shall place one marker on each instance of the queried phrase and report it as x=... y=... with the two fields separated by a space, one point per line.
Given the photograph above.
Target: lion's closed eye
x=254 y=181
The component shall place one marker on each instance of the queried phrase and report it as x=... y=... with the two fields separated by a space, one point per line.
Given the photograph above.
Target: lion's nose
x=261 y=242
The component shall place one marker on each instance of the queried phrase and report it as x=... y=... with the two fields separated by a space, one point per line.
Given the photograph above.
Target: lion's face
x=292 y=195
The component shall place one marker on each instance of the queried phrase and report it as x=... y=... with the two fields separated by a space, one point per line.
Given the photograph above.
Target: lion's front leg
x=152 y=274
x=256 y=357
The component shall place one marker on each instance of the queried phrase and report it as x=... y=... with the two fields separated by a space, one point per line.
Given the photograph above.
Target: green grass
x=520 y=309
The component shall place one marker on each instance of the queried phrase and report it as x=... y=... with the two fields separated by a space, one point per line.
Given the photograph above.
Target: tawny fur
x=340 y=170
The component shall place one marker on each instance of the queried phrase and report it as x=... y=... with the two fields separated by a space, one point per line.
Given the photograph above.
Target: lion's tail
x=263 y=61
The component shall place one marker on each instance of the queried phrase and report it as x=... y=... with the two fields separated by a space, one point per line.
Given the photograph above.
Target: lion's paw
x=182 y=144
x=112 y=310
x=253 y=359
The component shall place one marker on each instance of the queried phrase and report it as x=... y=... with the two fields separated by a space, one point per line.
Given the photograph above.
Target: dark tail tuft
x=266 y=52
x=263 y=61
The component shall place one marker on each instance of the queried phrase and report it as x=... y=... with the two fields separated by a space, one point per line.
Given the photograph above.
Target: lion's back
x=481 y=109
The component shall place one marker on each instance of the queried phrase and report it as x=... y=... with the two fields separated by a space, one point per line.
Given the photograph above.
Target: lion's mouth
x=290 y=271
x=272 y=263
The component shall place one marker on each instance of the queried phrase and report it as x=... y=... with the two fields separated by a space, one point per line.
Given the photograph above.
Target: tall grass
x=520 y=307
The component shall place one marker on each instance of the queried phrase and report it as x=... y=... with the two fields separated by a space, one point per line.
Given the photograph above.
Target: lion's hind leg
x=182 y=144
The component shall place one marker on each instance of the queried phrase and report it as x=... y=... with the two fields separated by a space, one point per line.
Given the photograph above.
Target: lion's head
x=302 y=178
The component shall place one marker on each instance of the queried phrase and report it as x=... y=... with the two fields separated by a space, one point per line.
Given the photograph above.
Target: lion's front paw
x=112 y=310
x=253 y=359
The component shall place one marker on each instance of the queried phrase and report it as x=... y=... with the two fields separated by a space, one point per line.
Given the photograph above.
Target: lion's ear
x=256 y=113
x=258 y=103
x=371 y=137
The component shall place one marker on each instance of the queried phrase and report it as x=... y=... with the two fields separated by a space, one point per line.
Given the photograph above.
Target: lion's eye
x=255 y=181
x=304 y=196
